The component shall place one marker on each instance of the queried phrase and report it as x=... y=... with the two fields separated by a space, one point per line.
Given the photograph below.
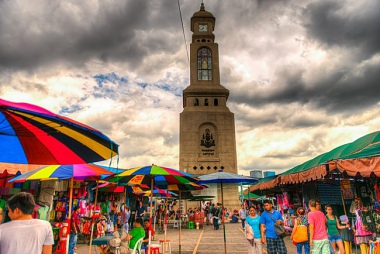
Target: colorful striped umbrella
x=79 y=172
x=153 y=175
x=30 y=134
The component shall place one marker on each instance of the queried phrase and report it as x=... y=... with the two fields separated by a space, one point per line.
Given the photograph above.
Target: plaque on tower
x=208 y=143
x=207 y=139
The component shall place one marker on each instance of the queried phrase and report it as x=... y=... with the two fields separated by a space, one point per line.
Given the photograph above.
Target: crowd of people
x=320 y=230
x=314 y=231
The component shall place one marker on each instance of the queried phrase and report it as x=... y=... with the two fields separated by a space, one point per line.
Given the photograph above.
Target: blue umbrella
x=224 y=177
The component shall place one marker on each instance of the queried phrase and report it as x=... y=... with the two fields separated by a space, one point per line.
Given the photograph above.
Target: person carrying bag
x=279 y=228
x=300 y=233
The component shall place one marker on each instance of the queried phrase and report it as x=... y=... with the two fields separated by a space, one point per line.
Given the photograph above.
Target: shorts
x=335 y=238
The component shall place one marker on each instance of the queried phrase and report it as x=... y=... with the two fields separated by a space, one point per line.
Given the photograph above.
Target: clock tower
x=207 y=126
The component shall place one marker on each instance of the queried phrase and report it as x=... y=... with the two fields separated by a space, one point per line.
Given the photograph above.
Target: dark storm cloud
x=77 y=32
x=351 y=90
x=345 y=24
x=350 y=32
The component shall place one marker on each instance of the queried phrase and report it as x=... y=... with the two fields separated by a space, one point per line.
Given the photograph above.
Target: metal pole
x=92 y=221
x=70 y=208
x=180 y=222
x=224 y=227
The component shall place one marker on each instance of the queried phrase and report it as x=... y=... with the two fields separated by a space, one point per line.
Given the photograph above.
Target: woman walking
x=332 y=230
x=216 y=213
x=298 y=234
x=253 y=220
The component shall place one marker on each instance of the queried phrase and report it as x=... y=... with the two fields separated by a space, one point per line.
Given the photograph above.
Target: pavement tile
x=210 y=241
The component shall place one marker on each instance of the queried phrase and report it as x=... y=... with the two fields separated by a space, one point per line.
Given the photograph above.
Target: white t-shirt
x=242 y=213
x=25 y=236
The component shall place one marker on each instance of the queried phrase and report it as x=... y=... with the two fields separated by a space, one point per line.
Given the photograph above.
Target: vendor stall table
x=100 y=242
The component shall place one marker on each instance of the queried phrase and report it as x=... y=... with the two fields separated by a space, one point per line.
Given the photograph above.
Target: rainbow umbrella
x=153 y=175
x=30 y=134
x=77 y=172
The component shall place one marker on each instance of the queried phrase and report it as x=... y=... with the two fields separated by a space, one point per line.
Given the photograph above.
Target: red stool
x=154 y=249
x=61 y=247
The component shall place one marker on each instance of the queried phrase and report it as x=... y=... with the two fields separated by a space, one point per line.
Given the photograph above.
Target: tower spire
x=202 y=6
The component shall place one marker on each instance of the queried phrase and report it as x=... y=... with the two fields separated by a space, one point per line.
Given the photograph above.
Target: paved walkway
x=204 y=241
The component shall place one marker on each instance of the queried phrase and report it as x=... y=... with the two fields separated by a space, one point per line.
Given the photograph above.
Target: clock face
x=202 y=28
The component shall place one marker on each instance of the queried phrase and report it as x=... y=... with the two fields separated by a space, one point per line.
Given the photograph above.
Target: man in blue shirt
x=275 y=244
x=141 y=210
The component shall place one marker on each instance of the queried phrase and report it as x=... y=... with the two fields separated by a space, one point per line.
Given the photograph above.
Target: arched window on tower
x=216 y=102
x=204 y=64
x=196 y=102
x=206 y=102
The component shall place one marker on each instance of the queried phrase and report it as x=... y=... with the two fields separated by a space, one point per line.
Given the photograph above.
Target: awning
x=252 y=196
x=361 y=155
x=316 y=168
x=365 y=166
x=265 y=183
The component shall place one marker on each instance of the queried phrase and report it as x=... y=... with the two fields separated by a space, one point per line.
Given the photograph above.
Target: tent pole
x=150 y=210
x=179 y=222
x=70 y=208
x=93 y=220
x=166 y=220
x=224 y=227
x=341 y=194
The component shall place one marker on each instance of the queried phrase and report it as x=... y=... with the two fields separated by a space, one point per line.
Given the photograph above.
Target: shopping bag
x=301 y=234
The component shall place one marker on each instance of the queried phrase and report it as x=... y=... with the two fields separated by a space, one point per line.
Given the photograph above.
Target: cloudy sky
x=303 y=75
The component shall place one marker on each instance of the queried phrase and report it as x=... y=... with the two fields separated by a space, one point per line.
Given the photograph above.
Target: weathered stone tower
x=207 y=126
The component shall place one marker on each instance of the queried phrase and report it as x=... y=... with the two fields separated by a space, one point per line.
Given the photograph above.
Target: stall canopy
x=361 y=155
x=264 y=183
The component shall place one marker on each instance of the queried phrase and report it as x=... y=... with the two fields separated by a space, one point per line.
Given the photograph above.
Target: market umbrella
x=153 y=175
x=30 y=134
x=77 y=172
x=224 y=177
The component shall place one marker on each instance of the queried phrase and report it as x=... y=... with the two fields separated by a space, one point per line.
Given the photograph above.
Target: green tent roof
x=366 y=146
x=252 y=196
x=264 y=180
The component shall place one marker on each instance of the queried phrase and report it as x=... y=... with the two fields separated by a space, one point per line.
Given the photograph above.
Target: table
x=99 y=242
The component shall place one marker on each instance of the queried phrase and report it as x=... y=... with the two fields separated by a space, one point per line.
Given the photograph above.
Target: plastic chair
x=191 y=225
x=167 y=244
x=137 y=248
x=175 y=224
